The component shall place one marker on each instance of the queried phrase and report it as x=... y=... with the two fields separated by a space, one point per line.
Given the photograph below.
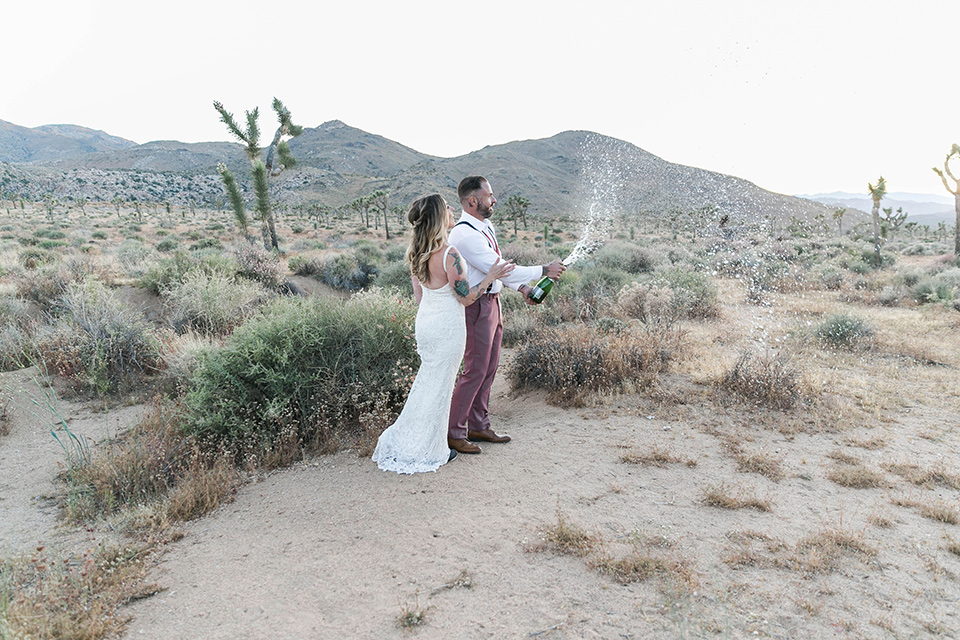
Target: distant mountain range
x=922 y=208
x=564 y=174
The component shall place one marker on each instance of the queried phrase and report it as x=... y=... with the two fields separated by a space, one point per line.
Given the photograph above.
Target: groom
x=474 y=238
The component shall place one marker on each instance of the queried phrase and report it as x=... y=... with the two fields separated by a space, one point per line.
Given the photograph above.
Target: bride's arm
x=417 y=288
x=457 y=277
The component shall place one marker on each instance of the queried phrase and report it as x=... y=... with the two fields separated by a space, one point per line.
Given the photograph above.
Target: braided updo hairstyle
x=428 y=215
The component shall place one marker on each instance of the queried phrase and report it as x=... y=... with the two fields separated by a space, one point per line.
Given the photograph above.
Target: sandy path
x=30 y=458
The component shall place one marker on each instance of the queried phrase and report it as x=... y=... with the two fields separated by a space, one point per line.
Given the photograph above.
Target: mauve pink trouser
x=471 y=396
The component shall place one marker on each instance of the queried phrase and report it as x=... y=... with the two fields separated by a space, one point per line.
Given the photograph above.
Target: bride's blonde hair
x=428 y=215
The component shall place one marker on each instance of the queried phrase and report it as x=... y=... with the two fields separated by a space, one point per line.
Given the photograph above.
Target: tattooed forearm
x=461 y=288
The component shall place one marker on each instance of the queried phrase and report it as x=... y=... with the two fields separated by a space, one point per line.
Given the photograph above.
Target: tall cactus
x=954 y=151
x=278 y=158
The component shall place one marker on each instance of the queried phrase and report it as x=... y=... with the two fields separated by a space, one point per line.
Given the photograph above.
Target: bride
x=417 y=441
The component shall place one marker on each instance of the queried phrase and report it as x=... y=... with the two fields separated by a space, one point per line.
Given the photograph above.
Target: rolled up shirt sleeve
x=521 y=276
x=480 y=258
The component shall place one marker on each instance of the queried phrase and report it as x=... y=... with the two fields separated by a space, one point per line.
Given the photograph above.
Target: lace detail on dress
x=417 y=441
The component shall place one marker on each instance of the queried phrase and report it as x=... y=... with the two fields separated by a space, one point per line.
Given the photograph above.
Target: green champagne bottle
x=541 y=289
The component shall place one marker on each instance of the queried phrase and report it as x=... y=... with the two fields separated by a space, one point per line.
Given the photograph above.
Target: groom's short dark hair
x=468 y=186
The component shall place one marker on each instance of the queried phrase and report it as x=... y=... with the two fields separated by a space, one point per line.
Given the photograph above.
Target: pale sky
x=798 y=97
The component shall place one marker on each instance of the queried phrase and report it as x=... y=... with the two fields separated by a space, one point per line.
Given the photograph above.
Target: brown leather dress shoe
x=487 y=435
x=462 y=445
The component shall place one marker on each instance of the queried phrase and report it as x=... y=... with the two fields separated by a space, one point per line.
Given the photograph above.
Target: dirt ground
x=335 y=548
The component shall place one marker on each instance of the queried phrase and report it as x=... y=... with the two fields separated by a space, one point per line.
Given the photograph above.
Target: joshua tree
x=877 y=192
x=278 y=158
x=379 y=200
x=362 y=206
x=516 y=208
x=116 y=202
x=894 y=220
x=838 y=216
x=954 y=151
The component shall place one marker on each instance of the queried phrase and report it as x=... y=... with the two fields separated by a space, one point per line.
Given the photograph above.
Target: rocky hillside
x=561 y=175
x=53 y=142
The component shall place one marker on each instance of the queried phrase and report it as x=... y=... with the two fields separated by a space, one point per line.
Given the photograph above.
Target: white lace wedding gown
x=417 y=441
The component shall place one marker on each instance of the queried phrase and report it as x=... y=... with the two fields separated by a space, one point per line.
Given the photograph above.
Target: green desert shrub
x=828 y=277
x=213 y=303
x=260 y=266
x=34 y=257
x=344 y=271
x=627 y=257
x=206 y=243
x=572 y=361
x=319 y=368
x=395 y=275
x=166 y=272
x=98 y=235
x=168 y=245
x=132 y=255
x=98 y=343
x=694 y=294
x=304 y=266
x=843 y=331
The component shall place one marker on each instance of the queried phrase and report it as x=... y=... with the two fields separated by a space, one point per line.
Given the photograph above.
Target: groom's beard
x=485 y=211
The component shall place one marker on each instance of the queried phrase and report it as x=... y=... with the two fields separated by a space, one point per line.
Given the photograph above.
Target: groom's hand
x=526 y=292
x=555 y=269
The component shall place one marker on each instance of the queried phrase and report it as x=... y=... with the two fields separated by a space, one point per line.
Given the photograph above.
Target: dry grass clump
x=156 y=465
x=412 y=616
x=654 y=457
x=49 y=596
x=952 y=546
x=572 y=362
x=768 y=378
x=645 y=558
x=823 y=551
x=876 y=442
x=938 y=509
x=566 y=538
x=926 y=477
x=753 y=549
x=856 y=476
x=721 y=497
x=760 y=462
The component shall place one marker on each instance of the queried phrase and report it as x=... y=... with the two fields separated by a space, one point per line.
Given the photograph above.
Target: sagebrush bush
x=168 y=245
x=214 y=303
x=344 y=271
x=45 y=286
x=518 y=326
x=303 y=266
x=132 y=256
x=34 y=258
x=260 y=266
x=395 y=275
x=572 y=361
x=16 y=345
x=649 y=302
x=843 y=331
x=524 y=254
x=768 y=378
x=98 y=343
x=694 y=294
x=315 y=368
x=166 y=272
x=628 y=257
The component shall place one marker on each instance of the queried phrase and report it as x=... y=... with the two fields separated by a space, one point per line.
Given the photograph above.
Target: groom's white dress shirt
x=477 y=243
